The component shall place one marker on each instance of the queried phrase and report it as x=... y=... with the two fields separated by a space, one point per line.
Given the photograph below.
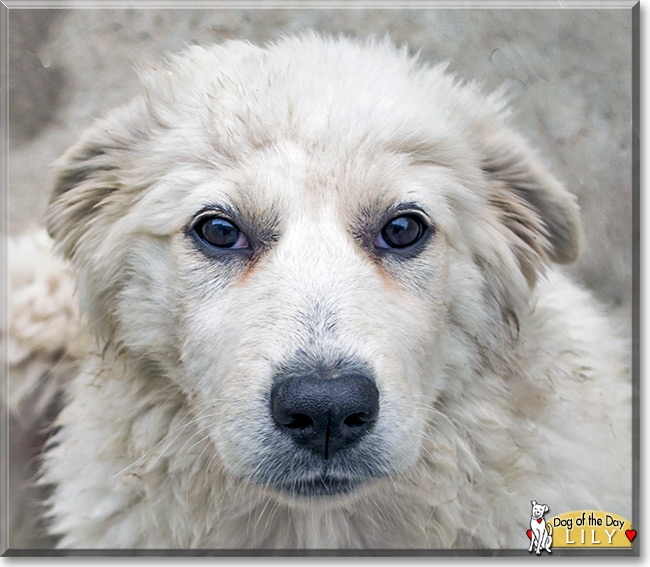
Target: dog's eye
x=221 y=233
x=401 y=232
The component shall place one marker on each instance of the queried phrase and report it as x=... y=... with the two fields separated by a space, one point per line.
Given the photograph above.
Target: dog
x=539 y=534
x=322 y=282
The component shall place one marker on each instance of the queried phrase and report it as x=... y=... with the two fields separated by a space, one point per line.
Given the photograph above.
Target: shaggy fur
x=500 y=380
x=44 y=343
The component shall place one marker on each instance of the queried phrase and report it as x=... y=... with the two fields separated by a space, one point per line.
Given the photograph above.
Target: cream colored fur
x=500 y=380
x=44 y=330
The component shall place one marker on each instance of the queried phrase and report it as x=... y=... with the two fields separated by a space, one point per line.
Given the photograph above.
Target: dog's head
x=538 y=510
x=318 y=242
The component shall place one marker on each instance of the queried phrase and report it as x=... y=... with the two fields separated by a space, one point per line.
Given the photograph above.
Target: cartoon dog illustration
x=538 y=531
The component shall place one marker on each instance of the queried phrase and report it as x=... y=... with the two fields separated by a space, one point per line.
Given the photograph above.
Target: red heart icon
x=631 y=534
x=539 y=521
x=529 y=533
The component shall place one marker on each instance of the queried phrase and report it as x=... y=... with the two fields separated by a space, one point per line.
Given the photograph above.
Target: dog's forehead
x=236 y=100
x=289 y=179
x=346 y=184
x=355 y=142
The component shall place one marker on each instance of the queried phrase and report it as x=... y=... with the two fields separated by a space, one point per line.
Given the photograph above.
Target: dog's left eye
x=401 y=232
x=221 y=233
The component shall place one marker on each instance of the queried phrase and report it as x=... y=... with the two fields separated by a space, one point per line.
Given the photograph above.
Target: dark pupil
x=402 y=232
x=220 y=232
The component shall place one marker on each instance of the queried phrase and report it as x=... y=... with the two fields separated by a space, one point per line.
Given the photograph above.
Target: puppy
x=319 y=276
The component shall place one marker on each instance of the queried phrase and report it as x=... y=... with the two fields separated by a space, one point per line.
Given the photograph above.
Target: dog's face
x=317 y=243
x=538 y=510
x=309 y=327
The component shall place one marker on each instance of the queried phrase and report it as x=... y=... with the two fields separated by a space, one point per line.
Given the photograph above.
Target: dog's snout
x=325 y=414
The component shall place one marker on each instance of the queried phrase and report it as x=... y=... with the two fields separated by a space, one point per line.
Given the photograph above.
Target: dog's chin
x=297 y=476
x=321 y=486
x=323 y=490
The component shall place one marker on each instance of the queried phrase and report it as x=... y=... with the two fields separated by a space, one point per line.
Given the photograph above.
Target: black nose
x=325 y=414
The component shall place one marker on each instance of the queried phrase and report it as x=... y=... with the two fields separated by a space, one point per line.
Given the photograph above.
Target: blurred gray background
x=571 y=72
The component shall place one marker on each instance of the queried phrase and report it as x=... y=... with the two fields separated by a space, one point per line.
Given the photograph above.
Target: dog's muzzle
x=325 y=416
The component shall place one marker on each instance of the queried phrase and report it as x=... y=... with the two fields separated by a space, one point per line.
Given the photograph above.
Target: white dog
x=540 y=535
x=319 y=279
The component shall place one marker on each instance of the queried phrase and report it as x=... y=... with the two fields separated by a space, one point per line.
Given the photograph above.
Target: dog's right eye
x=401 y=232
x=221 y=233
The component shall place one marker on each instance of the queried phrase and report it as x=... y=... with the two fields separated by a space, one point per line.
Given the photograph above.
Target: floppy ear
x=93 y=188
x=545 y=508
x=90 y=180
x=541 y=215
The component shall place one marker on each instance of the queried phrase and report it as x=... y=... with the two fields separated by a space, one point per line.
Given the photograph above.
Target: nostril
x=299 y=421
x=356 y=419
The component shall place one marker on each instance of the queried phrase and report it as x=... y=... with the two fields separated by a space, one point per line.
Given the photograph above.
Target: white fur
x=500 y=380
